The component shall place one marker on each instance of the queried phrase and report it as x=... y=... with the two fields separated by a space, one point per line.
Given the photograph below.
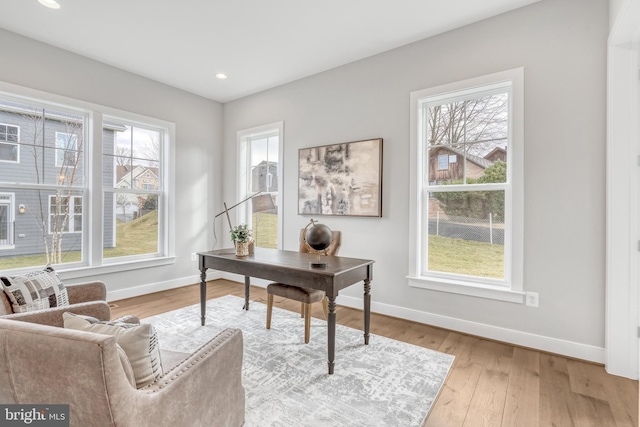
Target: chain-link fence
x=461 y=227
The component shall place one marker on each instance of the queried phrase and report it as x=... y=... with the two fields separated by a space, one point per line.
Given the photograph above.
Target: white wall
x=562 y=46
x=198 y=144
x=615 y=7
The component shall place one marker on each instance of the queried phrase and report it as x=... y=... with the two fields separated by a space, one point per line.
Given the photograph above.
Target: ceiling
x=259 y=44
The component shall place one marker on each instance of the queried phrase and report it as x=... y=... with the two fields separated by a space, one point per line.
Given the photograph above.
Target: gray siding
x=37 y=165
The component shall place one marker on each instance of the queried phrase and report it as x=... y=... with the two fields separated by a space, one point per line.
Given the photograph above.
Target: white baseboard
x=159 y=286
x=511 y=336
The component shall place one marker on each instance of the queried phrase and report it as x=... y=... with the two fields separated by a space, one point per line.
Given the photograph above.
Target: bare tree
x=473 y=126
x=67 y=153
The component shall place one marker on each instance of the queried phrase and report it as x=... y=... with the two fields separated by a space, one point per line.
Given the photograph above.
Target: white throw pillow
x=139 y=342
x=36 y=290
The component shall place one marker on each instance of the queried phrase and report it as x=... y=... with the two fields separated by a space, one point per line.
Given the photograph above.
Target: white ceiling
x=259 y=43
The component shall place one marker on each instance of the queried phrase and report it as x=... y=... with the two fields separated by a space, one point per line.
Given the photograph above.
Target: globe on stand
x=318 y=238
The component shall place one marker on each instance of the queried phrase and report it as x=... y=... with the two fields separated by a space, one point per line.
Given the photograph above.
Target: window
x=133 y=162
x=467 y=204
x=443 y=162
x=65 y=213
x=66 y=149
x=260 y=151
x=9 y=137
x=6 y=220
x=45 y=197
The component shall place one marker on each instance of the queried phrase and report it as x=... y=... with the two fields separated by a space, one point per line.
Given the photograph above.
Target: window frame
x=511 y=288
x=244 y=171
x=442 y=163
x=63 y=151
x=92 y=189
x=11 y=208
x=71 y=225
x=164 y=231
x=15 y=144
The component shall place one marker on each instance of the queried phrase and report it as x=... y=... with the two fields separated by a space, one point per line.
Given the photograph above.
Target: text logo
x=34 y=415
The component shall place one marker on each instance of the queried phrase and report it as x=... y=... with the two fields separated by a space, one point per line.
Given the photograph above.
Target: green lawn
x=139 y=236
x=136 y=237
x=466 y=257
x=265 y=230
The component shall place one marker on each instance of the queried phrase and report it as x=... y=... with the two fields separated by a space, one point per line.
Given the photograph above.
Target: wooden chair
x=305 y=296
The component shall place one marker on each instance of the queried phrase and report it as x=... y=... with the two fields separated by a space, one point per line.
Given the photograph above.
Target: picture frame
x=342 y=179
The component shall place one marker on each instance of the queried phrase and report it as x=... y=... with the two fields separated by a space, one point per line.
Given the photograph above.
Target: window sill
x=467 y=288
x=82 y=272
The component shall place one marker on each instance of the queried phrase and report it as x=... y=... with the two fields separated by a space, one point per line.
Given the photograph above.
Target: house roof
x=495 y=150
x=123 y=171
x=483 y=163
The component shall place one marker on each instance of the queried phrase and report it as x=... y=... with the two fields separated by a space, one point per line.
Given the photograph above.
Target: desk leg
x=203 y=294
x=331 y=330
x=246 y=292
x=367 y=309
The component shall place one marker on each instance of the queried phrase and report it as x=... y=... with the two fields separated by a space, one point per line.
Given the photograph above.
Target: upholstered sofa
x=42 y=364
x=88 y=299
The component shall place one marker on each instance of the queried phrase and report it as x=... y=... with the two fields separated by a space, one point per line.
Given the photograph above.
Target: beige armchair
x=47 y=365
x=88 y=299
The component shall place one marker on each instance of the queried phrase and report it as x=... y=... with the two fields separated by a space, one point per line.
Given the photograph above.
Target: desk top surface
x=292 y=260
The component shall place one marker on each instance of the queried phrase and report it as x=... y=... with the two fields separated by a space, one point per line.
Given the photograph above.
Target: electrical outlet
x=194 y=256
x=531 y=299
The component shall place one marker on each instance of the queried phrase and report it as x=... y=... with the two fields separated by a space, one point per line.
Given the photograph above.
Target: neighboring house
x=446 y=163
x=29 y=217
x=497 y=153
x=264 y=177
x=450 y=217
x=130 y=206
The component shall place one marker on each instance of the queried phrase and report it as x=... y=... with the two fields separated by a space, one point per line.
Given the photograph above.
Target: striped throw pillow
x=139 y=342
x=36 y=290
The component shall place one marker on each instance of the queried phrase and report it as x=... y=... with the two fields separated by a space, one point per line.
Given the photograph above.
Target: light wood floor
x=491 y=383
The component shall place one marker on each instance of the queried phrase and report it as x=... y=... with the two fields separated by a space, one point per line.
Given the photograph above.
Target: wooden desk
x=292 y=268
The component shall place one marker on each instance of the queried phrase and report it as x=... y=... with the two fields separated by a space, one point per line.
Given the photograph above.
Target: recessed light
x=221 y=76
x=51 y=4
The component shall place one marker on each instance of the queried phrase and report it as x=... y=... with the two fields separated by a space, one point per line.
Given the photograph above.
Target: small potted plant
x=241 y=236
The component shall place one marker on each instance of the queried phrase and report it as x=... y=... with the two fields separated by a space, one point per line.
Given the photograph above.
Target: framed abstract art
x=341 y=179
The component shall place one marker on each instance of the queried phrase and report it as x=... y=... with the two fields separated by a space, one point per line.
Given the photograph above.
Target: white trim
x=514 y=199
x=71 y=206
x=135 y=291
x=500 y=293
x=622 y=263
x=57 y=149
x=92 y=187
x=17 y=144
x=511 y=336
x=11 y=217
x=244 y=170
x=82 y=271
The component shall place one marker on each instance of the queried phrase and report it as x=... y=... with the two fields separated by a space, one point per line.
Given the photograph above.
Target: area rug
x=385 y=383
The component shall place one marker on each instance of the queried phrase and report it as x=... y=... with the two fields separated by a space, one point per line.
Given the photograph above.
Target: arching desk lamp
x=261 y=203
